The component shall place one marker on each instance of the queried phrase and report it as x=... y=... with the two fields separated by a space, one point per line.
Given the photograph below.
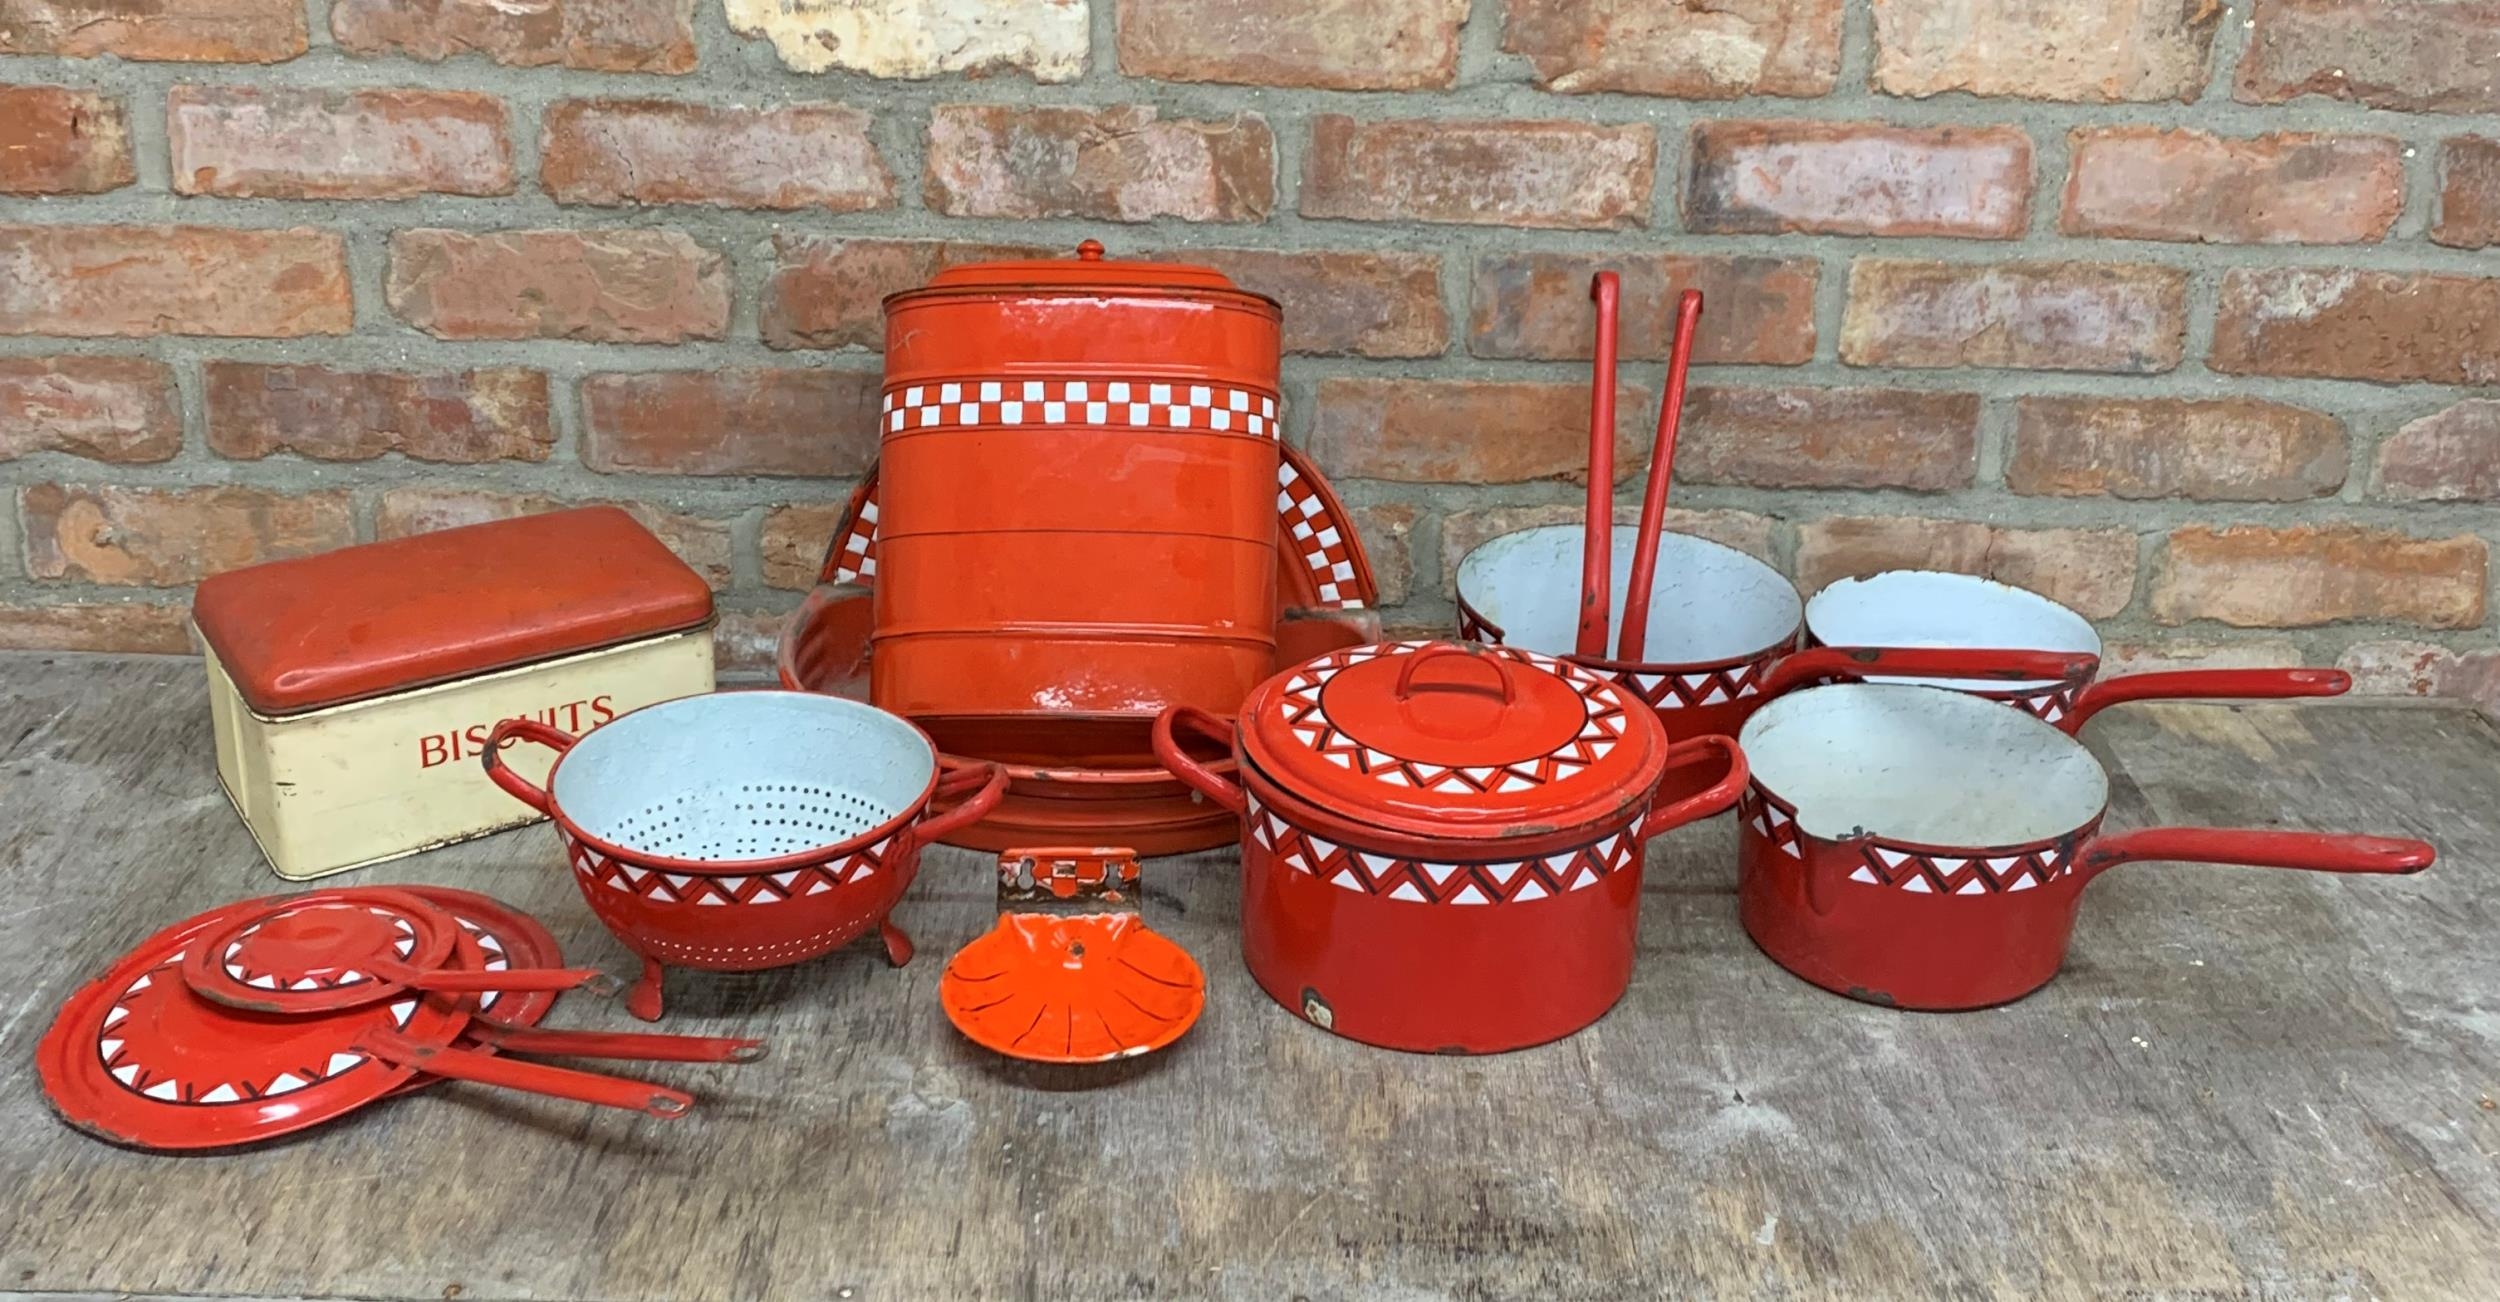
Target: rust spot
x=1317 y=1009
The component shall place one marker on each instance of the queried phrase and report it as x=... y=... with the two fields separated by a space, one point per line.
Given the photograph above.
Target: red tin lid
x=1454 y=740
x=384 y=617
x=1088 y=271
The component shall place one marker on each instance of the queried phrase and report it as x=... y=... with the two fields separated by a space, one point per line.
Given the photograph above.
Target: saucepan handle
x=1198 y=777
x=528 y=1077
x=514 y=785
x=1716 y=799
x=1851 y=663
x=986 y=781
x=2206 y=684
x=480 y=981
x=2312 y=851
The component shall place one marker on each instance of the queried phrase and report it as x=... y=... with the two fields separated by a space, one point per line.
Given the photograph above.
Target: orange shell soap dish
x=1071 y=973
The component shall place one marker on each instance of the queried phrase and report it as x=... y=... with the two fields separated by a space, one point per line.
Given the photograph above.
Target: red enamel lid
x=1088 y=271
x=136 y=1058
x=366 y=621
x=1454 y=740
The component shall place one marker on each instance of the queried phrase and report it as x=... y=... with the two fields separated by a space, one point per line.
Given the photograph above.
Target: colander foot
x=643 y=1000
x=897 y=945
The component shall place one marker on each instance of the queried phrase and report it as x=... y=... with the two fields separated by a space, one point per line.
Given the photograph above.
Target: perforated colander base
x=755 y=820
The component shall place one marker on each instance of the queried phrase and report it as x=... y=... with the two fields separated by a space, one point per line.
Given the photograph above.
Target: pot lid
x=1088 y=271
x=1455 y=740
x=321 y=951
x=136 y=1058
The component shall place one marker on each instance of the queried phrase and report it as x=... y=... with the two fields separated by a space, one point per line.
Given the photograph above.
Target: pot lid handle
x=1406 y=687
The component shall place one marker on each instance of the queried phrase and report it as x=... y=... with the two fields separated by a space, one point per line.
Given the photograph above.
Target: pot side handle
x=1852 y=663
x=1716 y=799
x=2311 y=851
x=1198 y=777
x=986 y=781
x=514 y=785
x=2207 y=684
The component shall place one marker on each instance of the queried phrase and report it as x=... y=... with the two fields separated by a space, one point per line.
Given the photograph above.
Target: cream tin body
x=348 y=785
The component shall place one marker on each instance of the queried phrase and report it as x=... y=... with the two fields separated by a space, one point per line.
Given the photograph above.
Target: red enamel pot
x=1928 y=849
x=1930 y=608
x=1441 y=842
x=739 y=831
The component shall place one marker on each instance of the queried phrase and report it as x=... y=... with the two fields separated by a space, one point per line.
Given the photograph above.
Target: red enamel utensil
x=1635 y=638
x=741 y=831
x=1441 y=845
x=1071 y=973
x=135 y=1057
x=1597 y=552
x=1928 y=849
x=1931 y=608
x=341 y=947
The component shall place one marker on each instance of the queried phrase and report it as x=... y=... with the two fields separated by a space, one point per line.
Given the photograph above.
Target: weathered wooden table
x=2246 y=1083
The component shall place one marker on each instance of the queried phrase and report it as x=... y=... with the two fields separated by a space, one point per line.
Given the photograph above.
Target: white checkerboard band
x=1134 y=404
x=1317 y=535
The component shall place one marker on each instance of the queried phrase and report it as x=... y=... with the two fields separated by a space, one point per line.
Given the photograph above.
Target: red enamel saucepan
x=1924 y=848
x=1930 y=608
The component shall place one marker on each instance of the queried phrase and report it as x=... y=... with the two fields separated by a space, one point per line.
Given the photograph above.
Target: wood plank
x=2246 y=1082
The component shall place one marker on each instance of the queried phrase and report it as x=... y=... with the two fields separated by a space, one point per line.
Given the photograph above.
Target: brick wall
x=2184 y=314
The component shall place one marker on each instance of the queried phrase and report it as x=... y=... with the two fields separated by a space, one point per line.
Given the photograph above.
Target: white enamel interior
x=1921 y=765
x=743 y=775
x=1927 y=608
x=1709 y=602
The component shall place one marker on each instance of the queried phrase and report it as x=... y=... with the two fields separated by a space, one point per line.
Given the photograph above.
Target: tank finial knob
x=1089 y=251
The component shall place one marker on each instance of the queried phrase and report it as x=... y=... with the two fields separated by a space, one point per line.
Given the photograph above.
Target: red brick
x=257 y=410
x=615 y=286
x=731 y=422
x=1540 y=175
x=243 y=142
x=2118 y=658
x=2090 y=570
x=2469 y=193
x=745 y=643
x=1829 y=438
x=1466 y=431
x=56 y=140
x=2449 y=456
x=1728 y=49
x=1387 y=531
x=1343 y=45
x=182 y=31
x=2113 y=51
x=794 y=540
x=2146 y=183
x=595 y=35
x=2059 y=316
x=1536 y=305
x=2358 y=325
x=165 y=537
x=1125 y=163
x=2218 y=449
x=814 y=155
x=827 y=292
x=94 y=281
x=1357 y=304
x=424 y=508
x=2420 y=669
x=1857 y=178
x=1464 y=531
x=120 y=409
x=122 y=627
x=2420 y=56
x=2255 y=577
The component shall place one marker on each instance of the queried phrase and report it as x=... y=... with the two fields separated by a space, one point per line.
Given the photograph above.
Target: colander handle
x=514 y=785
x=956 y=775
